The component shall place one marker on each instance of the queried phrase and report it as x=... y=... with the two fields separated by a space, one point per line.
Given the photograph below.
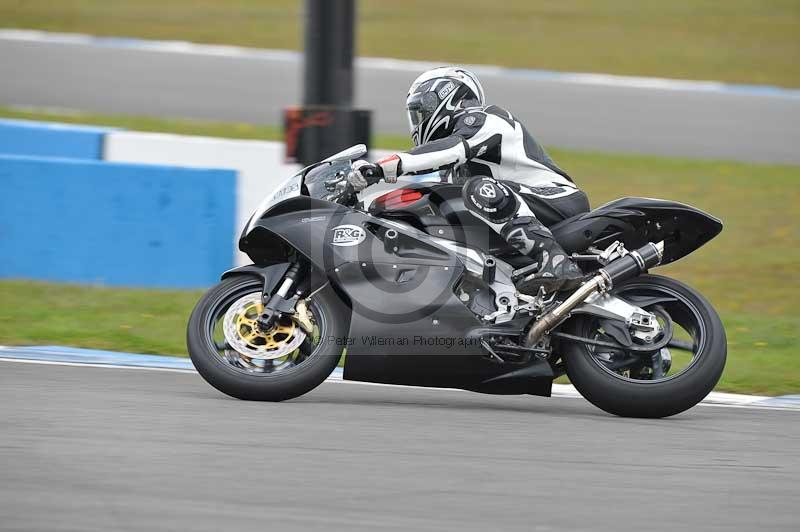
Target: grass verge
x=747 y=272
x=744 y=41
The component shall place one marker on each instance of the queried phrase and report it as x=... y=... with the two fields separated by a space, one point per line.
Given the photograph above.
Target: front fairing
x=405 y=292
x=290 y=188
x=310 y=182
x=331 y=234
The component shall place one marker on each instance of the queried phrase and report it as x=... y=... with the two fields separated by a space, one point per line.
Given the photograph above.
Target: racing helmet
x=435 y=98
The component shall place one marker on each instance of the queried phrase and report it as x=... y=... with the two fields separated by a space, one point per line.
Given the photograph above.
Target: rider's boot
x=555 y=271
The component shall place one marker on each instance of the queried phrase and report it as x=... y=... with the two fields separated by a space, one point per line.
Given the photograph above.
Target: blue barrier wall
x=23 y=137
x=117 y=224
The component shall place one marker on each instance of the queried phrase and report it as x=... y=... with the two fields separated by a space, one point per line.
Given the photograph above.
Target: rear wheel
x=233 y=354
x=655 y=384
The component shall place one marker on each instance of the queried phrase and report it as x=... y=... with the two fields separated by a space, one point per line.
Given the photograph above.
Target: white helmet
x=434 y=99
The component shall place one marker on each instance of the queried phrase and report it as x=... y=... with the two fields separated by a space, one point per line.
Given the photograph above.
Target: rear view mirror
x=351 y=153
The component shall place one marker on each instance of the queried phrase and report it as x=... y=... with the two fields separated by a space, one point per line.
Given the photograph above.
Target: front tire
x=251 y=381
x=665 y=396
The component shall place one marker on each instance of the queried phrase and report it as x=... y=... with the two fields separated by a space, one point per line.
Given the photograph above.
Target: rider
x=505 y=173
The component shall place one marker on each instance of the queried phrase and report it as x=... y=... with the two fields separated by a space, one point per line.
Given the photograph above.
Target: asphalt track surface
x=644 y=116
x=97 y=449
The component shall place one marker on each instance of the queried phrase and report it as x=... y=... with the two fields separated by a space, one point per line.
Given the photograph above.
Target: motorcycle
x=417 y=291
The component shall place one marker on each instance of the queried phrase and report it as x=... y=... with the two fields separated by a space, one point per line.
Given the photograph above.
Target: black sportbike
x=417 y=291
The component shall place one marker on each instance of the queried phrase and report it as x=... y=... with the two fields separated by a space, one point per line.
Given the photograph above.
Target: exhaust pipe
x=622 y=269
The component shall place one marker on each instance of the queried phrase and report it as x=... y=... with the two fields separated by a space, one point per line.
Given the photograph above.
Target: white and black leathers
x=492 y=154
x=489 y=141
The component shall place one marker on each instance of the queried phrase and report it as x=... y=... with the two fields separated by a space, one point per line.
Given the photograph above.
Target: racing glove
x=363 y=174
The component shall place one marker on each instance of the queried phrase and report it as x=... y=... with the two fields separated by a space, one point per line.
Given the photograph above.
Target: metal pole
x=326 y=122
x=329 y=42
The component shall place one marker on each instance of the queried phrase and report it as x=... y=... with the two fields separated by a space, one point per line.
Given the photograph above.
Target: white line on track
x=559 y=390
x=91 y=365
x=385 y=63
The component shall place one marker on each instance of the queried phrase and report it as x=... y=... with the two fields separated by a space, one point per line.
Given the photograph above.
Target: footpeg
x=489 y=270
x=524 y=271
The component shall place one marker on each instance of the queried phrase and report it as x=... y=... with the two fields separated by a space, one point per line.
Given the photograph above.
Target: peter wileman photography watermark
x=439 y=342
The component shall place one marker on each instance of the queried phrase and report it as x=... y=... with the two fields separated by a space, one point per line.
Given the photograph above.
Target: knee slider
x=490 y=199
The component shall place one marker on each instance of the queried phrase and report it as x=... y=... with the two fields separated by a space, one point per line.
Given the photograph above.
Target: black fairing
x=634 y=221
x=410 y=292
x=441 y=212
x=407 y=294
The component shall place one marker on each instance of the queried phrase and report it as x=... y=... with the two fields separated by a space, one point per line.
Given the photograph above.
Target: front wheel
x=233 y=354
x=658 y=384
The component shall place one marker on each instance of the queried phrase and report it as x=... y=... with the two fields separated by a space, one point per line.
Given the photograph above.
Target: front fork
x=284 y=299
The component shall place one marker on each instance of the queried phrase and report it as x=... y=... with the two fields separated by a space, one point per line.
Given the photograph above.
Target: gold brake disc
x=241 y=329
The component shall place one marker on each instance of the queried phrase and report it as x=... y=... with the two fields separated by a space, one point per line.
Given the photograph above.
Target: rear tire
x=649 y=399
x=279 y=386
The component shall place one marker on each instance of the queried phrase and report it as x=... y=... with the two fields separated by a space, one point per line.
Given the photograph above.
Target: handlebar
x=371 y=176
x=342 y=192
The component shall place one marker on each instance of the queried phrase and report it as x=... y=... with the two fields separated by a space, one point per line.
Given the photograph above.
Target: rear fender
x=636 y=221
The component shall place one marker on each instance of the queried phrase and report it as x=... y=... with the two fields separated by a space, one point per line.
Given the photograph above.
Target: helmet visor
x=416 y=113
x=415 y=118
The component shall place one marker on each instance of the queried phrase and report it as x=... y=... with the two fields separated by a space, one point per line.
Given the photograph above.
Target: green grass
x=749 y=41
x=119 y=319
x=748 y=272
